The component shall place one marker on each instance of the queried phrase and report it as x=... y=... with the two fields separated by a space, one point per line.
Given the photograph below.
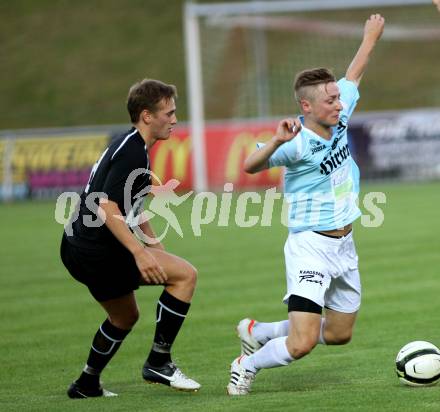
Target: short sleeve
x=349 y=96
x=287 y=154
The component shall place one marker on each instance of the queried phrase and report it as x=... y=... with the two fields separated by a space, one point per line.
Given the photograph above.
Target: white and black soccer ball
x=418 y=364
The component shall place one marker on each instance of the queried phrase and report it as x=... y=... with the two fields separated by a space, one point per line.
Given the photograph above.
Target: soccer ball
x=418 y=364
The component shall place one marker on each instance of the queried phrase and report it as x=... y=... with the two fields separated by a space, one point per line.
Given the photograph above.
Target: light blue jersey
x=321 y=180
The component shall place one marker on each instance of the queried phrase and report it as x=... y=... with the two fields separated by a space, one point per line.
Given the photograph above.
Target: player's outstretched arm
x=287 y=129
x=372 y=32
x=437 y=3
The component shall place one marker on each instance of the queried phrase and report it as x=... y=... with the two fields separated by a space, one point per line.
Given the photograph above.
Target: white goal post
x=193 y=12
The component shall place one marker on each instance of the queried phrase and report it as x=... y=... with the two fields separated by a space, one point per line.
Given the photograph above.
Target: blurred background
x=67 y=66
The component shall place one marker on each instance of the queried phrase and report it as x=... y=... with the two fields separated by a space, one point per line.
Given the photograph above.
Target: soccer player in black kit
x=102 y=252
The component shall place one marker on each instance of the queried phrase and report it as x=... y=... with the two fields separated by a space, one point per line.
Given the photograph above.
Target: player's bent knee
x=299 y=351
x=185 y=279
x=299 y=348
x=125 y=320
x=344 y=340
x=191 y=276
x=341 y=339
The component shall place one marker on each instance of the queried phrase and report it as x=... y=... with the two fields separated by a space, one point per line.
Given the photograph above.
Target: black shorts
x=108 y=274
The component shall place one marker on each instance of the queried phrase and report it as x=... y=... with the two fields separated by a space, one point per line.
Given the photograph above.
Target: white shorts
x=323 y=270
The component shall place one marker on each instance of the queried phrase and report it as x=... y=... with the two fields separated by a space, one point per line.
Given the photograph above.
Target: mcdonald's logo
x=243 y=145
x=177 y=152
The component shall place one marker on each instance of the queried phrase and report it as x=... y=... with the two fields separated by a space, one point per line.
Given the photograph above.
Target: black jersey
x=122 y=175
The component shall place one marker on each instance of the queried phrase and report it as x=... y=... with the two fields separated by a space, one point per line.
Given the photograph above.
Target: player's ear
x=146 y=116
x=305 y=106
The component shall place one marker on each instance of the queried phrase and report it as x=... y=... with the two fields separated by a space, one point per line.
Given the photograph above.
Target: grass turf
x=49 y=319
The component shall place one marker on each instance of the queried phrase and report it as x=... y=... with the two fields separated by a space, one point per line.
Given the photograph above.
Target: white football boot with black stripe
x=249 y=344
x=170 y=375
x=241 y=379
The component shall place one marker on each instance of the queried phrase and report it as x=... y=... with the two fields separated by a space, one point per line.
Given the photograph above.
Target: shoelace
x=245 y=380
x=180 y=374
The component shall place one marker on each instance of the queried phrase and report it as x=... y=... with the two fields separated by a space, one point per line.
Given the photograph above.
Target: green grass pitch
x=48 y=319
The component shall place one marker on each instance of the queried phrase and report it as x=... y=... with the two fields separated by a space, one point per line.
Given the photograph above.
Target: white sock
x=264 y=332
x=271 y=355
x=321 y=333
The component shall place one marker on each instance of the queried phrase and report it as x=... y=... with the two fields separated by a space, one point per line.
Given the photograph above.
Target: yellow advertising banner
x=63 y=153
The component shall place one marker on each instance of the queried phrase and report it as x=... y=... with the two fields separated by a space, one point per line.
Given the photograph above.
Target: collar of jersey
x=138 y=136
x=315 y=135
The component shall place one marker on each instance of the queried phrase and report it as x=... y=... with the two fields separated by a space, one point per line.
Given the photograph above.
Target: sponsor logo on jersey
x=317 y=149
x=316 y=146
x=334 y=159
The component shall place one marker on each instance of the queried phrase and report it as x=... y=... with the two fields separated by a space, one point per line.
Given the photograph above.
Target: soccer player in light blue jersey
x=322 y=183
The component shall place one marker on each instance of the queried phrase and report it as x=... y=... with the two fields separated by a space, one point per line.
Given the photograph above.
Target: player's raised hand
x=437 y=3
x=287 y=129
x=150 y=269
x=374 y=27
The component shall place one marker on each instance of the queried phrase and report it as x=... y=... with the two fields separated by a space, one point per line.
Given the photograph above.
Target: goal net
x=249 y=61
x=247 y=55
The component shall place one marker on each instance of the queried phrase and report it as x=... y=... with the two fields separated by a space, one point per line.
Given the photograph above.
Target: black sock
x=105 y=344
x=170 y=314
